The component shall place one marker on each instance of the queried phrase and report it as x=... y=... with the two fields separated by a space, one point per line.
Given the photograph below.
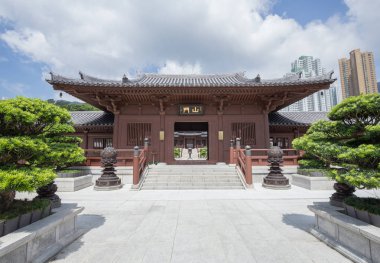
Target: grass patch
x=69 y=171
x=312 y=170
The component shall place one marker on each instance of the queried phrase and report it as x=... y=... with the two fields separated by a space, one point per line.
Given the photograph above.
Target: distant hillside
x=378 y=87
x=73 y=105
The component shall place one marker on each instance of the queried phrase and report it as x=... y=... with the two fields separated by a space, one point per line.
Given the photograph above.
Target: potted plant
x=1 y=227
x=365 y=209
x=25 y=212
x=177 y=152
x=348 y=145
x=22 y=213
x=38 y=208
x=46 y=210
x=11 y=222
x=203 y=153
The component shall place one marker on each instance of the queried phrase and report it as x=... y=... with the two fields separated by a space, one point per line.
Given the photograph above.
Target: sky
x=107 y=39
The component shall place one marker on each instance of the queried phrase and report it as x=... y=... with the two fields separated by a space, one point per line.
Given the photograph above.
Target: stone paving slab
x=259 y=225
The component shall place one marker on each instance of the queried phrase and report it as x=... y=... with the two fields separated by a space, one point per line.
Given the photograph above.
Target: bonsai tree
x=33 y=143
x=349 y=141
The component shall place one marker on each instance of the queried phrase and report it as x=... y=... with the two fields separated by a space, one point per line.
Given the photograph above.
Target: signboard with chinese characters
x=191 y=109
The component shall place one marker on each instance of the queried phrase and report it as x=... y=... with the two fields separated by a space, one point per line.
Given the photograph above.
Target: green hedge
x=372 y=205
x=20 y=207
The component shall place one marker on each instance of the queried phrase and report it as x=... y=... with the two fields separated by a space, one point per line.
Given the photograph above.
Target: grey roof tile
x=296 y=118
x=191 y=80
x=92 y=118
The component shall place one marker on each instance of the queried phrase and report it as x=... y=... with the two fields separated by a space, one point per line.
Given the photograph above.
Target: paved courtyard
x=258 y=225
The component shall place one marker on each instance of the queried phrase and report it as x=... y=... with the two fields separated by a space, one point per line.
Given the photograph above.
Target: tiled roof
x=295 y=118
x=190 y=80
x=100 y=118
x=92 y=118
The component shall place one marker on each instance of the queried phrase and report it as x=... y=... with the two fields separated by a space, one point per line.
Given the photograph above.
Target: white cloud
x=110 y=38
x=172 y=67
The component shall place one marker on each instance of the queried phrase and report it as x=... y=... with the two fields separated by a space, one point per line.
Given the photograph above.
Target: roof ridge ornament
x=125 y=79
x=330 y=73
x=258 y=78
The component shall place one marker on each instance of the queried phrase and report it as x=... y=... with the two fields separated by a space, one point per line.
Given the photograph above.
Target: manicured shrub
x=177 y=153
x=203 y=152
x=33 y=143
x=350 y=140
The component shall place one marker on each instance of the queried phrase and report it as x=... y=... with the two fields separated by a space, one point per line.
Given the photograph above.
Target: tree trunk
x=6 y=199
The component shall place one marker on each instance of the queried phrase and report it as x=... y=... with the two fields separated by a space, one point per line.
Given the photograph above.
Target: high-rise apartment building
x=357 y=74
x=319 y=101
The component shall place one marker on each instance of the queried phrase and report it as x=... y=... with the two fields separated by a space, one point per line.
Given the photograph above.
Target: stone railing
x=247 y=157
x=259 y=157
x=124 y=157
x=244 y=162
x=140 y=162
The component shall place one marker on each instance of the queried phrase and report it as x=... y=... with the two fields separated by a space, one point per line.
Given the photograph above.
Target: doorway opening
x=191 y=141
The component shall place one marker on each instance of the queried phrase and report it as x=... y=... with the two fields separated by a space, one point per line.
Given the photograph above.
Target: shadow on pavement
x=300 y=221
x=85 y=223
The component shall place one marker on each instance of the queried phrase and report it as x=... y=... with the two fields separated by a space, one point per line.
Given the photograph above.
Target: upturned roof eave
x=227 y=85
x=189 y=81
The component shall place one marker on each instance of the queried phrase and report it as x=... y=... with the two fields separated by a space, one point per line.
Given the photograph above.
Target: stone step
x=227 y=179
x=192 y=177
x=193 y=187
x=191 y=174
x=192 y=184
x=179 y=179
x=192 y=170
x=188 y=167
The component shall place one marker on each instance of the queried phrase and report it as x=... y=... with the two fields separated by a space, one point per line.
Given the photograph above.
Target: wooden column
x=220 y=142
x=266 y=130
x=161 y=157
x=115 y=136
x=85 y=139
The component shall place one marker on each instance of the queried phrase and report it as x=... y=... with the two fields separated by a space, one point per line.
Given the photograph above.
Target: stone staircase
x=191 y=177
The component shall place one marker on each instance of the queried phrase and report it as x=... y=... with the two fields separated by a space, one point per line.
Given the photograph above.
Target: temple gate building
x=191 y=111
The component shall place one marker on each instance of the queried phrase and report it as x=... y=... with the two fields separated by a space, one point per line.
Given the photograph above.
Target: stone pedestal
x=275 y=179
x=48 y=192
x=342 y=192
x=108 y=180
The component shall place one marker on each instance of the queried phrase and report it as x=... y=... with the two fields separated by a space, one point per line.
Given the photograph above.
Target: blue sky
x=305 y=11
x=37 y=40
